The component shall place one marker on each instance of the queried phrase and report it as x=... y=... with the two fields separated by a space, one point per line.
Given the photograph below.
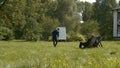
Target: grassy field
x=19 y=54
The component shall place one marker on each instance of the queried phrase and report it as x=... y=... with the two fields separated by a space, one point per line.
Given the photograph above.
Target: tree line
x=34 y=20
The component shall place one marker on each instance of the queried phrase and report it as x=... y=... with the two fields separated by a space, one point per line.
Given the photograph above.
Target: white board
x=62 y=33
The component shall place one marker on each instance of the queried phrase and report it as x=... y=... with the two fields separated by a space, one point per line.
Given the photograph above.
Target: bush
x=48 y=25
x=76 y=37
x=87 y=28
x=50 y=38
x=31 y=30
x=6 y=34
x=32 y=37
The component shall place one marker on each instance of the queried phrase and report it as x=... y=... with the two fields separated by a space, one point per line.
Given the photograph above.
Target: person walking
x=55 y=35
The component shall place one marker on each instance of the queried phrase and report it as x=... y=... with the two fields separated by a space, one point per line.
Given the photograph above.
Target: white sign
x=62 y=33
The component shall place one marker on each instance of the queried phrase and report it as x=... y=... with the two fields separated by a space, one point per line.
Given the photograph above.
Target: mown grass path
x=42 y=54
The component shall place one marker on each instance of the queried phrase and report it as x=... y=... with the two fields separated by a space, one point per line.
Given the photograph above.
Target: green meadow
x=42 y=54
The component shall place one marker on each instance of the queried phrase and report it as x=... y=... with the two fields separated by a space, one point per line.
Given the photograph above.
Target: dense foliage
x=101 y=12
x=34 y=20
x=6 y=33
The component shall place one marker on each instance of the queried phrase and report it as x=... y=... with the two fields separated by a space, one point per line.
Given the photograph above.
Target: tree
x=19 y=15
x=6 y=34
x=48 y=25
x=2 y=2
x=102 y=13
x=31 y=30
x=12 y=17
x=87 y=28
x=65 y=8
x=80 y=6
x=86 y=9
x=67 y=14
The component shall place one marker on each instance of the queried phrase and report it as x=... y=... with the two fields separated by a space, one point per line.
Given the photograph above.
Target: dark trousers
x=83 y=44
x=54 y=41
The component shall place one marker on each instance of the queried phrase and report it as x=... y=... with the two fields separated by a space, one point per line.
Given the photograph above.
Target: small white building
x=62 y=33
x=116 y=22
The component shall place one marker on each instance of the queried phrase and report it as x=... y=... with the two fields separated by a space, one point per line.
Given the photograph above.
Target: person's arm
x=57 y=34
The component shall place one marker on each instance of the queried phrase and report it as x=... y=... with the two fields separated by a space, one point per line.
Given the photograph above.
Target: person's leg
x=82 y=45
x=85 y=44
x=54 y=43
x=101 y=44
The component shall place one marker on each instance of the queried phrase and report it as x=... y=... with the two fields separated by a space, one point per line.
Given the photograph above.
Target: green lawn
x=20 y=54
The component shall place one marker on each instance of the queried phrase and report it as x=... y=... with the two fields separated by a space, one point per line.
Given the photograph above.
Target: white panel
x=62 y=33
x=118 y=31
x=115 y=23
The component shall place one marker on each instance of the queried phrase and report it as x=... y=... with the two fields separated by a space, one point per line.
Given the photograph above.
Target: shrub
x=88 y=29
x=78 y=37
x=48 y=25
x=72 y=36
x=6 y=33
x=31 y=30
x=32 y=37
x=50 y=38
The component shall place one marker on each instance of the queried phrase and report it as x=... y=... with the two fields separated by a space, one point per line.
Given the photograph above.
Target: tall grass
x=18 y=54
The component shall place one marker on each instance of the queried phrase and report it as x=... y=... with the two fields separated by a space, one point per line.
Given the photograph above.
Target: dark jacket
x=55 y=33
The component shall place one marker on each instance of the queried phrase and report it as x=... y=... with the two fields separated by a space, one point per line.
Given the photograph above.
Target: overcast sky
x=91 y=1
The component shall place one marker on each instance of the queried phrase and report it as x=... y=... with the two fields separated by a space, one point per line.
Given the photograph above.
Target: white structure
x=116 y=22
x=62 y=33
